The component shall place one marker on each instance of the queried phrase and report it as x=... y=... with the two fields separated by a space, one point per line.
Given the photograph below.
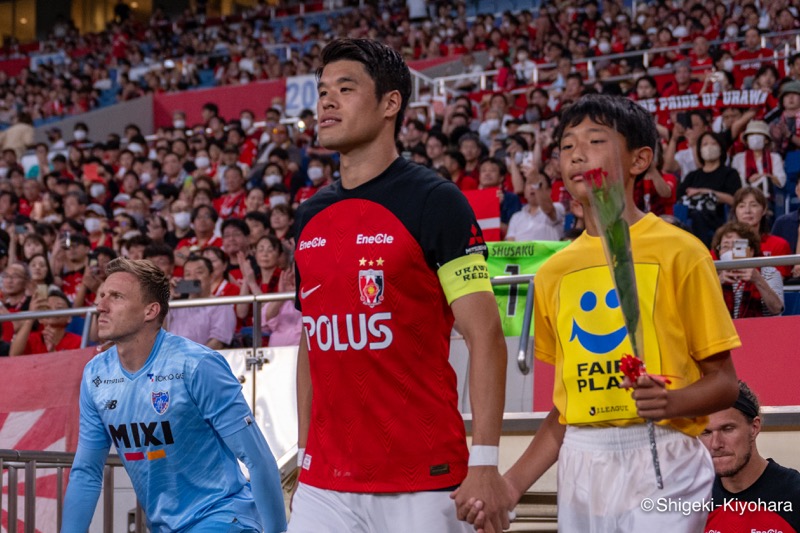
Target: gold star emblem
x=371 y=262
x=362 y=262
x=380 y=261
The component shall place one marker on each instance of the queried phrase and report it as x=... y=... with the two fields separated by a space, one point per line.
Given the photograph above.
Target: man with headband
x=751 y=493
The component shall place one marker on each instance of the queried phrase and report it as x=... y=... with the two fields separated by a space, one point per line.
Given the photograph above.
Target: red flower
x=632 y=367
x=596 y=177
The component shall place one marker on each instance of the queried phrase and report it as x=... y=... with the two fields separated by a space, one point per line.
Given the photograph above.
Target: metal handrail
x=644 y=54
x=31 y=461
x=523 y=355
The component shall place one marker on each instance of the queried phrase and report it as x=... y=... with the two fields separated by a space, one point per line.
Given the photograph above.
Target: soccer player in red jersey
x=387 y=258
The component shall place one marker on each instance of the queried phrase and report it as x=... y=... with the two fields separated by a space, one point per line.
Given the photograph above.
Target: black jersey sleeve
x=449 y=229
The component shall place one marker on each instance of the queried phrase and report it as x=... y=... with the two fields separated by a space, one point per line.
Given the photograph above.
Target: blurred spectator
x=541 y=219
x=750 y=58
x=268 y=254
x=492 y=174
x=748 y=292
x=785 y=127
x=750 y=207
x=53 y=337
x=19 y=136
x=281 y=320
x=212 y=326
x=707 y=190
x=758 y=166
x=787 y=227
x=221 y=284
x=16 y=277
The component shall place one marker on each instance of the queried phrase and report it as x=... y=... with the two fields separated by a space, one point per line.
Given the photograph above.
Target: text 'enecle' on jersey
x=377 y=266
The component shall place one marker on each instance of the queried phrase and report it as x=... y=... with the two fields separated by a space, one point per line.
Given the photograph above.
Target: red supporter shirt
x=36 y=344
x=752 y=62
x=8 y=327
x=70 y=283
x=384 y=416
x=231 y=205
x=774 y=245
x=194 y=241
x=467 y=182
x=304 y=193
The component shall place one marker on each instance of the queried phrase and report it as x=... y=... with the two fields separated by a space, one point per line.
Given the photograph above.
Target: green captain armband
x=464 y=275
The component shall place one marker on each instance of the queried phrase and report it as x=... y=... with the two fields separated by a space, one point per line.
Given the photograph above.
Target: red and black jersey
x=769 y=504
x=384 y=415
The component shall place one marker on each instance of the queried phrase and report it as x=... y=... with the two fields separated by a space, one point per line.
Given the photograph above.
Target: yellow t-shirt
x=580 y=329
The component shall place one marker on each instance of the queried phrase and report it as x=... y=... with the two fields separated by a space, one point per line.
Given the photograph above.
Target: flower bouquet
x=607 y=199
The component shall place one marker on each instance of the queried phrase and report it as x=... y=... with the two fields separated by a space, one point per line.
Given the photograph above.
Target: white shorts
x=317 y=510
x=606 y=481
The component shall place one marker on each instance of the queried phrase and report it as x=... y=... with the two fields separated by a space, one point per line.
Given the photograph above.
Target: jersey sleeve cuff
x=464 y=275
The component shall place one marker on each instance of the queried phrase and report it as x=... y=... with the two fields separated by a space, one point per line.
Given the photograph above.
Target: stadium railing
x=31 y=462
x=442 y=84
x=535 y=506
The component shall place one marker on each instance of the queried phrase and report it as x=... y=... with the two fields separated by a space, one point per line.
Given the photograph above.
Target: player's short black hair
x=383 y=64
x=621 y=114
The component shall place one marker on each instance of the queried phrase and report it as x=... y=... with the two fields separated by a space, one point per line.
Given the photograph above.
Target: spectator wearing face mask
x=758 y=166
x=708 y=189
x=80 y=134
x=785 y=128
x=95 y=224
x=317 y=178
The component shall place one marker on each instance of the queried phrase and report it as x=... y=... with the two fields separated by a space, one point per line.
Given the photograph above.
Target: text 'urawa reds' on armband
x=464 y=275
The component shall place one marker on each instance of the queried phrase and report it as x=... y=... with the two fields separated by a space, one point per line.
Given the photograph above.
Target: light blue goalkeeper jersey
x=167 y=422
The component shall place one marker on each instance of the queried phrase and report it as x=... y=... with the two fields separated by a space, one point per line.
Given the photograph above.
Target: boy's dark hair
x=55 y=293
x=383 y=64
x=621 y=114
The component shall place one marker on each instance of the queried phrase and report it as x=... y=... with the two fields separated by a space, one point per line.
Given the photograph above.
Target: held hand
x=485 y=484
x=796 y=271
x=472 y=511
x=651 y=397
x=754 y=178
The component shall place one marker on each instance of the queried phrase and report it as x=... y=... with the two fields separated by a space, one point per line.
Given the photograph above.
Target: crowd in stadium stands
x=130 y=58
x=212 y=203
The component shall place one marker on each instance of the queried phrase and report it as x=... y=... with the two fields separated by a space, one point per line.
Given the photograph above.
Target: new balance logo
x=306 y=294
x=111 y=404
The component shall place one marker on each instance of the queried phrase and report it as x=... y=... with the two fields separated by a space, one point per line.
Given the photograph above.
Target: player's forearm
x=251 y=448
x=715 y=391
x=487 y=384
x=305 y=392
x=540 y=454
x=85 y=483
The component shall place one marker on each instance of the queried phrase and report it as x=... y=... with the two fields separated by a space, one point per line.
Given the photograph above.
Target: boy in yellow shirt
x=596 y=430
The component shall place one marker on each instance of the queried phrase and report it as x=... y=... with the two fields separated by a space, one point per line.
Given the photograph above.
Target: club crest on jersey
x=160 y=401
x=370 y=287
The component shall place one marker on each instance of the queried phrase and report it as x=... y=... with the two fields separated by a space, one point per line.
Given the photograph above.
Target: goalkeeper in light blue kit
x=177 y=417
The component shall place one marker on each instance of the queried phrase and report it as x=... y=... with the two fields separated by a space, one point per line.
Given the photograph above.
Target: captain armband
x=464 y=275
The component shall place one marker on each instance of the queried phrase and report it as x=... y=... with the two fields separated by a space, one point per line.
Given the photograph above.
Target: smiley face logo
x=595 y=342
